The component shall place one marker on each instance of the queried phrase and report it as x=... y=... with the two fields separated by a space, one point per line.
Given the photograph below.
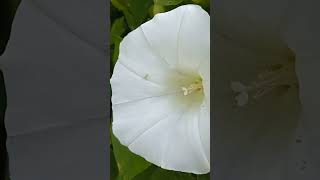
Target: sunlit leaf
x=157 y=9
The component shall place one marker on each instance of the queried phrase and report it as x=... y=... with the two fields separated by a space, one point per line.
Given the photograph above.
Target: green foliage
x=168 y=2
x=204 y=3
x=157 y=173
x=135 y=11
x=203 y=177
x=114 y=172
x=129 y=164
x=127 y=15
x=117 y=30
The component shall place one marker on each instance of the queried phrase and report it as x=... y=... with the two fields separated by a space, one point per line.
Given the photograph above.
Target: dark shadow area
x=7 y=10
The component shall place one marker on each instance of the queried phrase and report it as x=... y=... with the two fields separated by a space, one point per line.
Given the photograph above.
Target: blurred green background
x=127 y=15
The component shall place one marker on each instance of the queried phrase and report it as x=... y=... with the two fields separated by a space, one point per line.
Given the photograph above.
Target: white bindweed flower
x=161 y=90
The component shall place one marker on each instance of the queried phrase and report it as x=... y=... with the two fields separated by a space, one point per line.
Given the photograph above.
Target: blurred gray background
x=55 y=71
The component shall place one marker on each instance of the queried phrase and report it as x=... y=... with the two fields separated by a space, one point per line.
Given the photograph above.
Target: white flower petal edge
x=161 y=90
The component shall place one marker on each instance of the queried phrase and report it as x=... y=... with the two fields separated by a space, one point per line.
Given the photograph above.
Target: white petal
x=204 y=128
x=204 y=72
x=166 y=135
x=133 y=118
x=194 y=38
x=140 y=120
x=162 y=33
x=137 y=54
x=180 y=36
x=186 y=150
x=128 y=86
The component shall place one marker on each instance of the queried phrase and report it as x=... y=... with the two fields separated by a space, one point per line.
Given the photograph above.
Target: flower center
x=188 y=87
x=194 y=87
x=274 y=79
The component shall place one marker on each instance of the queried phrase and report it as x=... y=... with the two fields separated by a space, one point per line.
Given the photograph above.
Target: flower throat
x=194 y=87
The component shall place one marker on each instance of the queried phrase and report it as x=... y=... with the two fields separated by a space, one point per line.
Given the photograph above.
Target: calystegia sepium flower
x=161 y=90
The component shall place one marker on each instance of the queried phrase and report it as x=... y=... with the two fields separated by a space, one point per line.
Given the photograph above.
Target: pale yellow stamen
x=195 y=87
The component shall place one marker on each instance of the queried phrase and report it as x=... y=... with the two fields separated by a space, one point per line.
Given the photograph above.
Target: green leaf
x=157 y=9
x=203 y=177
x=157 y=173
x=168 y=2
x=115 y=54
x=117 y=30
x=135 y=11
x=129 y=164
x=119 y=4
x=205 y=4
x=114 y=172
